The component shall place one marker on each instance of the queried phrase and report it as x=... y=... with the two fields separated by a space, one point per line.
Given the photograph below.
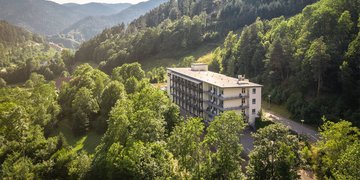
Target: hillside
x=23 y=52
x=90 y=26
x=11 y=35
x=97 y=9
x=49 y=18
x=178 y=26
x=309 y=62
x=39 y=16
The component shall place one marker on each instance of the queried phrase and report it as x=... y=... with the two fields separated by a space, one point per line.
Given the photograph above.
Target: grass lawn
x=277 y=109
x=168 y=59
x=87 y=142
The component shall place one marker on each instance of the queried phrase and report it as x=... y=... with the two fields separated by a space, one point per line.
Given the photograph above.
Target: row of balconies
x=183 y=96
x=185 y=88
x=192 y=93
x=182 y=82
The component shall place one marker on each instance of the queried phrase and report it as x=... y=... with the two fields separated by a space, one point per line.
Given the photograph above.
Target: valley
x=86 y=93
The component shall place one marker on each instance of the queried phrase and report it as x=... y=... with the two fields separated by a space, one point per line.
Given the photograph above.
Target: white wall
x=252 y=106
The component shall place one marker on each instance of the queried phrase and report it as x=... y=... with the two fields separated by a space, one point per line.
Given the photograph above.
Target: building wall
x=256 y=106
x=229 y=92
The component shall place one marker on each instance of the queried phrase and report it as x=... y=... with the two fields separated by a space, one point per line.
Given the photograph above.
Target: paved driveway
x=311 y=133
x=248 y=141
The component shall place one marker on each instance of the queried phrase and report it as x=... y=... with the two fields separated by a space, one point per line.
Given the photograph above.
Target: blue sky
x=102 y=1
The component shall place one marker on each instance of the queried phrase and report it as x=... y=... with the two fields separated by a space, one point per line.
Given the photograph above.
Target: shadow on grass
x=87 y=143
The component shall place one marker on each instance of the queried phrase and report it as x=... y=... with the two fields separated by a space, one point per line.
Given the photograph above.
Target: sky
x=102 y=1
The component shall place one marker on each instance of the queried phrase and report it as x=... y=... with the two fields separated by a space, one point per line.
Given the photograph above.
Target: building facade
x=202 y=93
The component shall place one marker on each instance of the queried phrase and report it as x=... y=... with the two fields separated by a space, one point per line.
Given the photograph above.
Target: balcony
x=221 y=96
x=212 y=104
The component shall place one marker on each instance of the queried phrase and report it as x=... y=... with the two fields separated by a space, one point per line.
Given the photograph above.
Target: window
x=221 y=103
x=243 y=90
x=254 y=101
x=253 y=111
x=254 y=91
x=243 y=101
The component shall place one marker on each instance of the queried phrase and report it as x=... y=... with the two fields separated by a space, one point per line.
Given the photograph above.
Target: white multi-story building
x=203 y=93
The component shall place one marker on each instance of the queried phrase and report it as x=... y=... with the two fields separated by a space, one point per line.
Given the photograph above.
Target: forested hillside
x=39 y=16
x=309 y=62
x=22 y=52
x=98 y=9
x=145 y=138
x=90 y=26
x=178 y=26
x=49 y=18
x=116 y=124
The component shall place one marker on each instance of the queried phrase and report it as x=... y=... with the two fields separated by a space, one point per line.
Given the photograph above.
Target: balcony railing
x=226 y=109
x=221 y=96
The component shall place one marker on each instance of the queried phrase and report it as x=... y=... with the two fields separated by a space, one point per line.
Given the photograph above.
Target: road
x=247 y=140
x=299 y=128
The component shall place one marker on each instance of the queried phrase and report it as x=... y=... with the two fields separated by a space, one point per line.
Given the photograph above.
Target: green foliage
x=348 y=163
x=23 y=53
x=301 y=61
x=172 y=117
x=110 y=95
x=179 y=26
x=79 y=166
x=2 y=83
x=18 y=168
x=223 y=135
x=186 y=62
x=140 y=161
x=157 y=75
x=276 y=154
x=185 y=143
x=81 y=98
x=84 y=106
x=337 y=141
x=126 y=71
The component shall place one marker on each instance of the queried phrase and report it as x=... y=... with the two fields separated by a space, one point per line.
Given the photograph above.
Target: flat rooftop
x=213 y=78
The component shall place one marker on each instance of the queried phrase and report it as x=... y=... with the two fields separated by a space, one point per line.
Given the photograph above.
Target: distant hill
x=178 y=27
x=39 y=16
x=97 y=9
x=49 y=18
x=11 y=35
x=88 y=27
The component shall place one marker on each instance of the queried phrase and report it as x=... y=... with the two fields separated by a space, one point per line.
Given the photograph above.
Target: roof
x=213 y=78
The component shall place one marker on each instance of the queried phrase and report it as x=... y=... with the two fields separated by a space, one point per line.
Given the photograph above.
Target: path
x=299 y=128
x=247 y=140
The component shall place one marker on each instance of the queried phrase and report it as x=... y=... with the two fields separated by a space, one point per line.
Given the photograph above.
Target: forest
x=144 y=136
x=309 y=62
x=178 y=26
x=97 y=114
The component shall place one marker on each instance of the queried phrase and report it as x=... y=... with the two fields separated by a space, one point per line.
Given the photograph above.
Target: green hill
x=23 y=52
x=309 y=62
x=178 y=26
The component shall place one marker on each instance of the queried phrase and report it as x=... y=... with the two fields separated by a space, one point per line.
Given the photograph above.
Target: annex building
x=202 y=93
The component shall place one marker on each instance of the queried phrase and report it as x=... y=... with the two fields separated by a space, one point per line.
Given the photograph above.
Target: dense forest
x=23 y=52
x=176 y=26
x=62 y=118
x=309 y=62
x=145 y=138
